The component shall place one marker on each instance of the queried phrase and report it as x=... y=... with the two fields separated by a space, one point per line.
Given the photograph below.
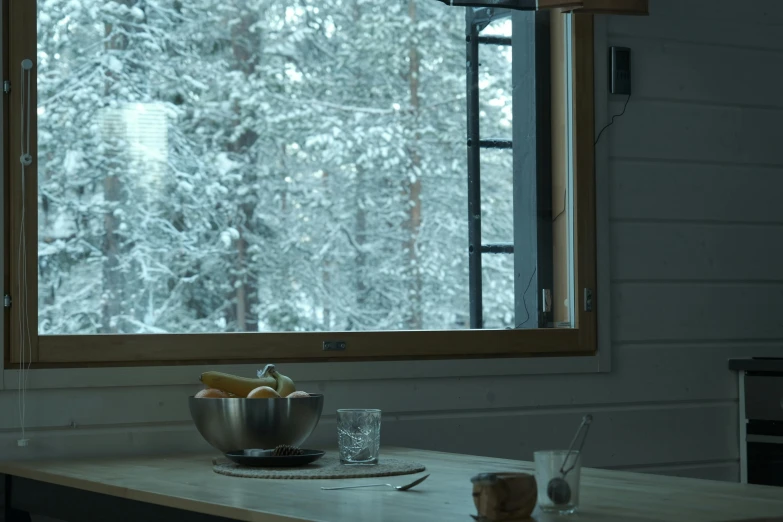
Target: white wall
x=695 y=168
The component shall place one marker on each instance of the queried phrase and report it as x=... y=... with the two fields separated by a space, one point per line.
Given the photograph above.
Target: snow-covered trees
x=243 y=165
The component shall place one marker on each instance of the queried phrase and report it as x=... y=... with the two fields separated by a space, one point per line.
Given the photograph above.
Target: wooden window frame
x=172 y=349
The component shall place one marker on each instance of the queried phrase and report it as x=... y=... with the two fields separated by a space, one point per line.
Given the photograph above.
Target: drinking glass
x=359 y=436
x=550 y=465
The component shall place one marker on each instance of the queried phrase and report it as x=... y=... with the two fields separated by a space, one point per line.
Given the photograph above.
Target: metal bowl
x=239 y=424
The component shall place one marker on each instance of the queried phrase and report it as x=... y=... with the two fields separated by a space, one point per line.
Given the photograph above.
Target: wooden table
x=186 y=485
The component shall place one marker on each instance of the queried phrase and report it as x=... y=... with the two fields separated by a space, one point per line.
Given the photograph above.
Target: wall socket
x=620 y=70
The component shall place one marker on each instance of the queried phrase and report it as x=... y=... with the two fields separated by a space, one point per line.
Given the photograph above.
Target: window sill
x=306 y=372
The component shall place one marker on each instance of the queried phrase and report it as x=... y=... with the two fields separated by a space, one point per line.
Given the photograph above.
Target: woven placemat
x=327 y=467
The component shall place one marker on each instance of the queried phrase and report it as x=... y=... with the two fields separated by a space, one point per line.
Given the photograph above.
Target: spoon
x=406 y=487
x=558 y=489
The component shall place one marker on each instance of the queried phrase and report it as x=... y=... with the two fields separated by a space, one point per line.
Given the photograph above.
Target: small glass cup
x=359 y=436
x=549 y=465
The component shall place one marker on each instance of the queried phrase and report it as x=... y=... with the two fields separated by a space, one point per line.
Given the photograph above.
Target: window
x=255 y=179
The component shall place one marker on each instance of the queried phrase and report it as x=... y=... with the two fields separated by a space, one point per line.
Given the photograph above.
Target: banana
x=235 y=385
x=283 y=385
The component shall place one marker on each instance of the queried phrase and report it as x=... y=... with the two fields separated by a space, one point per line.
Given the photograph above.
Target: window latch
x=7 y=301
x=333 y=346
x=7 y=86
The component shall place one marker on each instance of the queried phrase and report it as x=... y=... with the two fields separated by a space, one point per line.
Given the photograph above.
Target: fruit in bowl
x=212 y=393
x=237 y=413
x=242 y=386
x=264 y=392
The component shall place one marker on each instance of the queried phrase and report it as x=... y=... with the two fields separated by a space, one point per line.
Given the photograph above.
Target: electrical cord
x=625 y=106
x=613 y=118
x=524 y=301
x=565 y=194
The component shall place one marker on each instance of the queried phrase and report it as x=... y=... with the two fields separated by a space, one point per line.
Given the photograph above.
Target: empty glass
x=359 y=436
x=554 y=496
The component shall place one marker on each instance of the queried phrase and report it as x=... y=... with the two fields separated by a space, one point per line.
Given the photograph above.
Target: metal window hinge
x=7 y=86
x=7 y=301
x=588 y=300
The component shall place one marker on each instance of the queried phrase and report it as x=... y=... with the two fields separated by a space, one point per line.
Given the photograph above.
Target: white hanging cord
x=25 y=348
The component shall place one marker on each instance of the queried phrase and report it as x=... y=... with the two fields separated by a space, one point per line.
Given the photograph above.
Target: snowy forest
x=264 y=165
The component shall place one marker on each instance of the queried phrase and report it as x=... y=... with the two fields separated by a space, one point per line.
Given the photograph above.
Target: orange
x=297 y=394
x=211 y=393
x=263 y=392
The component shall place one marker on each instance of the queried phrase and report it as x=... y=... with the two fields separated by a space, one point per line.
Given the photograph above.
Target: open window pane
x=498 y=296
x=497 y=229
x=495 y=82
x=497 y=202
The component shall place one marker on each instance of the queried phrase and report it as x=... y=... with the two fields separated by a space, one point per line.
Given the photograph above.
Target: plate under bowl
x=264 y=458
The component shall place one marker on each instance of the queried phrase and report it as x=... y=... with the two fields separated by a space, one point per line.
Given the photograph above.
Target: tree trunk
x=326 y=278
x=113 y=279
x=413 y=223
x=241 y=288
x=245 y=48
x=360 y=272
x=360 y=223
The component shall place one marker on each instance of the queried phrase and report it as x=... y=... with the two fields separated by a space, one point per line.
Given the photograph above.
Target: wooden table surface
x=188 y=482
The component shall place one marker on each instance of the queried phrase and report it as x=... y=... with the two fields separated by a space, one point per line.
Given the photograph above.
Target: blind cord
x=25 y=348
